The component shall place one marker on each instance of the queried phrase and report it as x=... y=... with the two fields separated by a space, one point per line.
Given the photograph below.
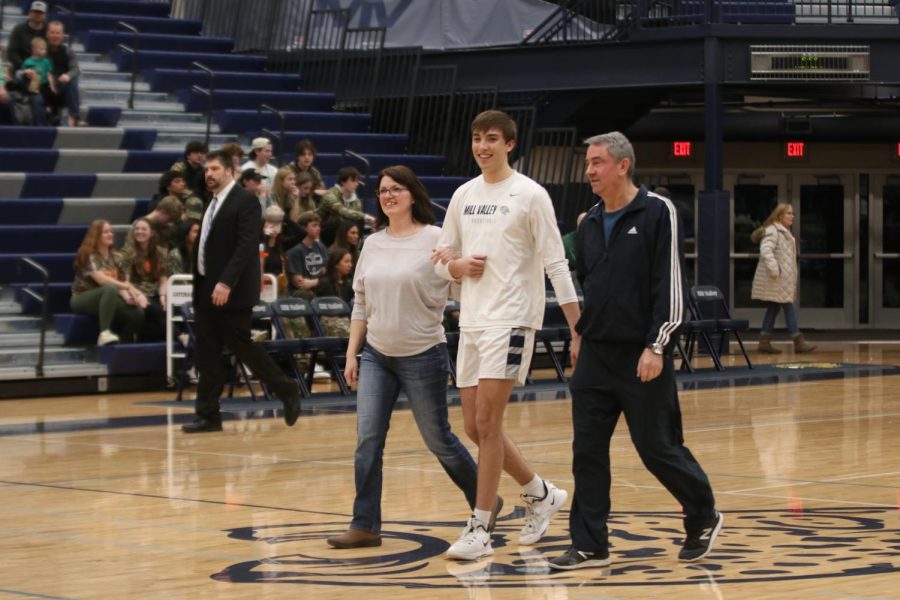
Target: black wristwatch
x=657 y=348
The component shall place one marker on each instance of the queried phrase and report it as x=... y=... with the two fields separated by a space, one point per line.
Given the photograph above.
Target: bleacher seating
x=55 y=181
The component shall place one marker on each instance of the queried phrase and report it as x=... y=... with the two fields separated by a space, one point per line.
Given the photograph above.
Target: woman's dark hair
x=335 y=255
x=184 y=228
x=421 y=208
x=340 y=237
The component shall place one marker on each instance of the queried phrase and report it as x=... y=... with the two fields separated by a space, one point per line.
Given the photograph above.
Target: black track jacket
x=632 y=287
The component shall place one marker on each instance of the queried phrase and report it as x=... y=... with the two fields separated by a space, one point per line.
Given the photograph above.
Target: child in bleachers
x=100 y=291
x=144 y=266
x=37 y=80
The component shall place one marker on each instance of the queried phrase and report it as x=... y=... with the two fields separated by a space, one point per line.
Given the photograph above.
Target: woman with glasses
x=396 y=321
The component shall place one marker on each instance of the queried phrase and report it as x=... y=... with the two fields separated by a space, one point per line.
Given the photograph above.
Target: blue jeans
x=423 y=377
x=790 y=317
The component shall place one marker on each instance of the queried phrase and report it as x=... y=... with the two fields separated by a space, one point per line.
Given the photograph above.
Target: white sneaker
x=320 y=374
x=538 y=513
x=107 y=337
x=474 y=543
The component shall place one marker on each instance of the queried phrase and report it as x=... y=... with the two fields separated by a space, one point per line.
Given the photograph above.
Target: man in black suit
x=226 y=287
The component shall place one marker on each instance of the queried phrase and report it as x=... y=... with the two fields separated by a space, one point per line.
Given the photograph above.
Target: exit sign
x=795 y=150
x=681 y=149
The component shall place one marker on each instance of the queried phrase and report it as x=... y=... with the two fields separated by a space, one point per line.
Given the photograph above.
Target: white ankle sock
x=535 y=487
x=482 y=515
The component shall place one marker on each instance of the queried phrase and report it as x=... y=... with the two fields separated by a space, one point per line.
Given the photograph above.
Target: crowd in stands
x=40 y=75
x=125 y=288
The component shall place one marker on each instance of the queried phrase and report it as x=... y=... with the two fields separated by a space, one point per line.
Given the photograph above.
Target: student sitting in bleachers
x=306 y=261
x=164 y=219
x=337 y=281
x=172 y=183
x=144 y=266
x=306 y=194
x=100 y=291
x=303 y=163
x=260 y=156
x=191 y=168
x=347 y=238
x=285 y=193
x=180 y=258
x=273 y=245
x=341 y=203
x=234 y=150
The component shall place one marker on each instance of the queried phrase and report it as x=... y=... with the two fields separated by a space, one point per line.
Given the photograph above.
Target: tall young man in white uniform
x=498 y=238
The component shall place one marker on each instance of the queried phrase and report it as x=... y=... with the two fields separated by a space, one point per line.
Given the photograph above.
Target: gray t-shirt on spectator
x=307 y=262
x=398 y=293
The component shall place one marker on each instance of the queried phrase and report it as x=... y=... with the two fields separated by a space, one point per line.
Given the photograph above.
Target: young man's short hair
x=308 y=217
x=495 y=118
x=233 y=149
x=166 y=179
x=346 y=173
x=304 y=145
x=171 y=206
x=195 y=146
x=222 y=157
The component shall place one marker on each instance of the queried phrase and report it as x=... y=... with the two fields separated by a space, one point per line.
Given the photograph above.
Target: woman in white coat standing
x=775 y=281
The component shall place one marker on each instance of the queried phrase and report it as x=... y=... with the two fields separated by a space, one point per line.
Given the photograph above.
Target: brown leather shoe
x=355 y=538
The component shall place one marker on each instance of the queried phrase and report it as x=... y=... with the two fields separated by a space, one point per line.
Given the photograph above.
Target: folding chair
x=710 y=294
x=691 y=329
x=554 y=329
x=284 y=346
x=187 y=314
x=334 y=347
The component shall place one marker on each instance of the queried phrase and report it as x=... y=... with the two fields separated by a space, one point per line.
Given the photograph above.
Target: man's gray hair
x=618 y=147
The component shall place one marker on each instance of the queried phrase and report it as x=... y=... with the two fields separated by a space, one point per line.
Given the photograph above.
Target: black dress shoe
x=201 y=426
x=292 y=407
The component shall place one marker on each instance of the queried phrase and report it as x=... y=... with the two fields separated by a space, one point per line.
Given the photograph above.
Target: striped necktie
x=210 y=213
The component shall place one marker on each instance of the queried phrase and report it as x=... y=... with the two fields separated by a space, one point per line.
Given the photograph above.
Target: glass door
x=884 y=242
x=826 y=229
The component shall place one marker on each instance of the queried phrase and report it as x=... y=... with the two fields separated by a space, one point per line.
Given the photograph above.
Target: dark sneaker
x=576 y=559
x=699 y=543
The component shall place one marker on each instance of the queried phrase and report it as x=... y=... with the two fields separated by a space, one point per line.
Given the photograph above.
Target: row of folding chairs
x=284 y=349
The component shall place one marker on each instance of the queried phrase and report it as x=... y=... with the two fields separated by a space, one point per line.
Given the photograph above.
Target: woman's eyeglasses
x=391 y=191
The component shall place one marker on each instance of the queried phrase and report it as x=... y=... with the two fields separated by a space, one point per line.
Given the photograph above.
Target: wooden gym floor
x=104 y=497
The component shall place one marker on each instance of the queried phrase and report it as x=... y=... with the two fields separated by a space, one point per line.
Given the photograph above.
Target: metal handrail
x=554 y=23
x=135 y=52
x=43 y=300
x=367 y=167
x=209 y=93
x=360 y=158
x=281 y=119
